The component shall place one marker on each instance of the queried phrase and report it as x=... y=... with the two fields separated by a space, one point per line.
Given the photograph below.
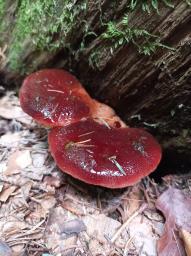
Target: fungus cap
x=109 y=157
x=54 y=97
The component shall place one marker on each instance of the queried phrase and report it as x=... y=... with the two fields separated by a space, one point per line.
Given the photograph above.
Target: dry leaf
x=71 y=206
x=176 y=207
x=101 y=226
x=100 y=229
x=38 y=169
x=18 y=161
x=10 y=140
x=52 y=181
x=61 y=231
x=6 y=193
x=26 y=189
x=1 y=187
x=186 y=237
x=47 y=202
x=10 y=109
x=144 y=239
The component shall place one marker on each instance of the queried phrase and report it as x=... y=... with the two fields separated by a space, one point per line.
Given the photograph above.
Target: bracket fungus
x=95 y=154
x=87 y=139
x=54 y=97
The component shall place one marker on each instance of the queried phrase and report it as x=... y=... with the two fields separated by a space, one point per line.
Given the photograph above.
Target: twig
x=30 y=232
x=176 y=242
x=51 y=90
x=84 y=134
x=127 y=245
x=125 y=224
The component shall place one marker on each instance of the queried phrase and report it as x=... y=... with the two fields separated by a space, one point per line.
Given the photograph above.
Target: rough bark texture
x=152 y=91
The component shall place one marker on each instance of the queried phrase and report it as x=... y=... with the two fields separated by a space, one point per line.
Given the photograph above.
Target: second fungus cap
x=109 y=157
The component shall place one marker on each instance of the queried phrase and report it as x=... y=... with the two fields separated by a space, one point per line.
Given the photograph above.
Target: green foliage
x=121 y=34
x=42 y=21
x=149 y=5
x=2 y=5
x=188 y=2
x=48 y=25
x=2 y=8
x=117 y=34
x=94 y=58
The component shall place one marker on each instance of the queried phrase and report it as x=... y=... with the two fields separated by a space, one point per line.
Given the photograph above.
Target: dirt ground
x=45 y=212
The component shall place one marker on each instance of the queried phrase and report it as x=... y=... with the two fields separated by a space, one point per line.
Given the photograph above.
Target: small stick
x=176 y=242
x=84 y=145
x=127 y=244
x=51 y=90
x=126 y=223
x=87 y=133
x=114 y=161
x=84 y=141
x=104 y=122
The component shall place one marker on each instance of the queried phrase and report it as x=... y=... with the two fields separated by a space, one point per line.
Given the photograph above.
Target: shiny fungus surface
x=54 y=97
x=99 y=155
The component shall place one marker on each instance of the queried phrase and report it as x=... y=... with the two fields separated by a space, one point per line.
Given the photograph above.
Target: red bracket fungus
x=54 y=97
x=103 y=156
x=88 y=140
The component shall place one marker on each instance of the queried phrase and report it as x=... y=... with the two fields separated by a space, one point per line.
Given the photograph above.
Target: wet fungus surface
x=99 y=155
x=87 y=140
x=54 y=97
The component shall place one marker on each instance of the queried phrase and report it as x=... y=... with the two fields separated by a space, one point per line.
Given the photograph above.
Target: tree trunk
x=106 y=44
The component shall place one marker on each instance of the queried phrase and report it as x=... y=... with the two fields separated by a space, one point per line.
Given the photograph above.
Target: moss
x=118 y=34
x=2 y=10
x=2 y=6
x=150 y=5
x=44 y=24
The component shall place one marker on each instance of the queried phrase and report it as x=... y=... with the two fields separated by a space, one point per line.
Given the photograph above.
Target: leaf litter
x=45 y=212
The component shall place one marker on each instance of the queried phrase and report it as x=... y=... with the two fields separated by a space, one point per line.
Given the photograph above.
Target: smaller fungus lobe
x=54 y=97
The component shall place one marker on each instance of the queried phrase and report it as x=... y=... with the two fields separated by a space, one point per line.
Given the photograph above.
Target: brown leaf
x=100 y=229
x=47 y=202
x=101 y=226
x=10 y=109
x=176 y=207
x=186 y=237
x=71 y=206
x=52 y=181
x=6 y=193
x=18 y=161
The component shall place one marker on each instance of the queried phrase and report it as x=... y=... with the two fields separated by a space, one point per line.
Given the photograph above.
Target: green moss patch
x=42 y=24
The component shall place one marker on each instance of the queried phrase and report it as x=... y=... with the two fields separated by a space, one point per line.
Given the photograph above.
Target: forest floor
x=45 y=212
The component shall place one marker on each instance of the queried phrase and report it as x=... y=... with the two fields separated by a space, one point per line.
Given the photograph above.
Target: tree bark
x=151 y=91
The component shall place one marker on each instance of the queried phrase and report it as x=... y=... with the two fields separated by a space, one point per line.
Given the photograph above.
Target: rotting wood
x=151 y=91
